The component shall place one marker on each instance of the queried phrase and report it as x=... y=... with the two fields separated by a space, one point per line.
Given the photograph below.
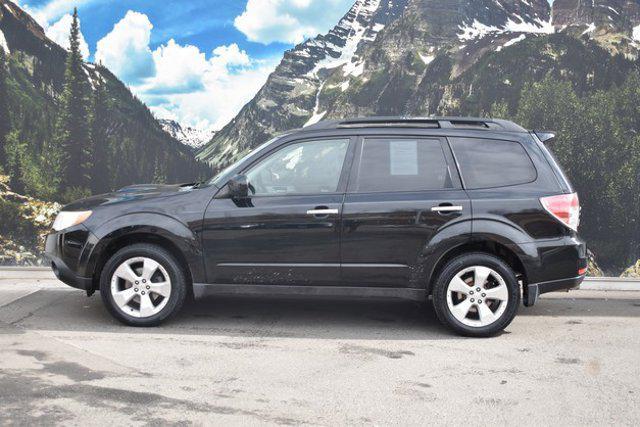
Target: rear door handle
x=322 y=212
x=445 y=209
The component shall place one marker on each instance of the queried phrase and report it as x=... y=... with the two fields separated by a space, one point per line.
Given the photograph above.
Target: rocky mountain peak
x=187 y=135
x=384 y=56
x=18 y=28
x=614 y=14
x=614 y=24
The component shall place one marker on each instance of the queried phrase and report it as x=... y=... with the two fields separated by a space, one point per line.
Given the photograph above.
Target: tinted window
x=310 y=167
x=397 y=164
x=488 y=163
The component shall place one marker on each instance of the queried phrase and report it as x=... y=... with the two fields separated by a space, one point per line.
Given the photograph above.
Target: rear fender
x=447 y=239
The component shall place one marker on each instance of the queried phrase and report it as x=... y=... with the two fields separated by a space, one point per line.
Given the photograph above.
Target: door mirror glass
x=238 y=187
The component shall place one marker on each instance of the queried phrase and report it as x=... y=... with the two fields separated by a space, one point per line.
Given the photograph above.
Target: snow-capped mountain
x=187 y=135
x=398 y=57
x=288 y=99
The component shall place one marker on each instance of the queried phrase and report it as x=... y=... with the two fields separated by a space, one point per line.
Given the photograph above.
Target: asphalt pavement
x=573 y=359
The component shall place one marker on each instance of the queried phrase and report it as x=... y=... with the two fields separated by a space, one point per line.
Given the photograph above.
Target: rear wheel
x=143 y=285
x=476 y=295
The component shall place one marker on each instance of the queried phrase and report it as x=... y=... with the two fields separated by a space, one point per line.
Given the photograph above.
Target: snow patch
x=511 y=42
x=427 y=59
x=357 y=33
x=636 y=33
x=345 y=85
x=590 y=29
x=3 y=43
x=316 y=116
x=478 y=30
x=537 y=27
x=352 y=69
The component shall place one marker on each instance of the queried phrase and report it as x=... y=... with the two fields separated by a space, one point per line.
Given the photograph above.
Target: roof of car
x=474 y=123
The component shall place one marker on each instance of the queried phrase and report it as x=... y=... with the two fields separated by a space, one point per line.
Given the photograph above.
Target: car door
x=403 y=191
x=287 y=232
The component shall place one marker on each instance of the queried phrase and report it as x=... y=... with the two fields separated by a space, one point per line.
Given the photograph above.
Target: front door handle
x=446 y=209
x=322 y=212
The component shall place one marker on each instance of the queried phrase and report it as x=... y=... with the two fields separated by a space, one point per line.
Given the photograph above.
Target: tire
x=501 y=293
x=141 y=296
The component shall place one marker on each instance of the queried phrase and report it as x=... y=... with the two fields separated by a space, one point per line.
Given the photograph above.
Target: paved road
x=573 y=359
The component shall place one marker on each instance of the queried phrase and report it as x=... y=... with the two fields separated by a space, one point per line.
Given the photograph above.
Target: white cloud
x=289 y=21
x=59 y=33
x=52 y=10
x=181 y=82
x=125 y=50
x=216 y=92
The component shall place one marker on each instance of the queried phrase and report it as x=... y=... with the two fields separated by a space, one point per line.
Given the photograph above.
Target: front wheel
x=143 y=285
x=476 y=295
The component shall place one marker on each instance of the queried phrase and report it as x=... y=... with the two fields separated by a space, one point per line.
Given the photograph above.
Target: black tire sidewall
x=460 y=263
x=168 y=262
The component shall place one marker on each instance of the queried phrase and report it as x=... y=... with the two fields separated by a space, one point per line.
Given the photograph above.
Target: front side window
x=311 y=167
x=486 y=163
x=397 y=164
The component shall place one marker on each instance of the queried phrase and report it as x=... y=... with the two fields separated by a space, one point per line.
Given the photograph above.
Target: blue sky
x=196 y=61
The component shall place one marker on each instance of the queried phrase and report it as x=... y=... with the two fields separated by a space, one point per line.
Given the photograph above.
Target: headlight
x=66 y=219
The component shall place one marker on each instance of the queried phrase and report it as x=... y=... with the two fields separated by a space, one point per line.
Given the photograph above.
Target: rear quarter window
x=488 y=163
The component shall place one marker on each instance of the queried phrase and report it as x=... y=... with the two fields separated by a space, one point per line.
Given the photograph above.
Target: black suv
x=470 y=213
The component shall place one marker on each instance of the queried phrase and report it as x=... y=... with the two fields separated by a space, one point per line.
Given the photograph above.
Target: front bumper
x=65 y=250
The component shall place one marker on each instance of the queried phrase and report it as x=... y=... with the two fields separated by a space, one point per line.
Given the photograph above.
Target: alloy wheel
x=477 y=296
x=140 y=287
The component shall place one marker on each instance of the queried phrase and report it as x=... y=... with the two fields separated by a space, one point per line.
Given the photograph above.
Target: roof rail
x=389 y=122
x=421 y=122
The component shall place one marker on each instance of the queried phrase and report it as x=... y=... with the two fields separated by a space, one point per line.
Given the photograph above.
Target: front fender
x=156 y=224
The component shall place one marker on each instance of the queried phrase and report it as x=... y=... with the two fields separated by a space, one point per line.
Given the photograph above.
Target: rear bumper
x=553 y=265
x=536 y=289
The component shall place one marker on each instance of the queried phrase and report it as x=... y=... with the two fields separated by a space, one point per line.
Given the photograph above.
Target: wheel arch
x=484 y=244
x=165 y=232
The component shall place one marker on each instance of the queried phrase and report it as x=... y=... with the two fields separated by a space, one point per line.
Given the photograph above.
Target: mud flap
x=530 y=295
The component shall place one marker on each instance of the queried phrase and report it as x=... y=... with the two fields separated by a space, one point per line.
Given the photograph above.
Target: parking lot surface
x=573 y=359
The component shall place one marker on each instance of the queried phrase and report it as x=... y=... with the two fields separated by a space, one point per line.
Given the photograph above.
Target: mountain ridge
x=36 y=73
x=328 y=77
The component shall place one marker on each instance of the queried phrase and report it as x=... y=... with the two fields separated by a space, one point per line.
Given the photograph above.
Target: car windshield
x=219 y=179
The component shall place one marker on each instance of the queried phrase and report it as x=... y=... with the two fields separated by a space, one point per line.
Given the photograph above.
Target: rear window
x=402 y=164
x=486 y=163
x=551 y=158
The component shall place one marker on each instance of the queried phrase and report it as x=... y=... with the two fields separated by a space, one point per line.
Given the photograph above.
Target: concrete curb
x=590 y=283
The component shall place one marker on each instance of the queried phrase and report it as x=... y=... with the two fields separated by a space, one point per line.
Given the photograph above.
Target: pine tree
x=72 y=139
x=5 y=123
x=100 y=139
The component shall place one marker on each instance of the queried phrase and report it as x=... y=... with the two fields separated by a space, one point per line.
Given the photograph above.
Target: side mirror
x=238 y=187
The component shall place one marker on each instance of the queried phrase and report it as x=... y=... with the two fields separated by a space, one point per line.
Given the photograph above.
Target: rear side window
x=486 y=163
x=402 y=164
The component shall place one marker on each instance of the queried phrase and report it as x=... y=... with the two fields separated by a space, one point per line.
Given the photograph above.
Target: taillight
x=565 y=208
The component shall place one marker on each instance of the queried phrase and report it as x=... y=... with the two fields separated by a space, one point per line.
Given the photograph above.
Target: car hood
x=129 y=194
